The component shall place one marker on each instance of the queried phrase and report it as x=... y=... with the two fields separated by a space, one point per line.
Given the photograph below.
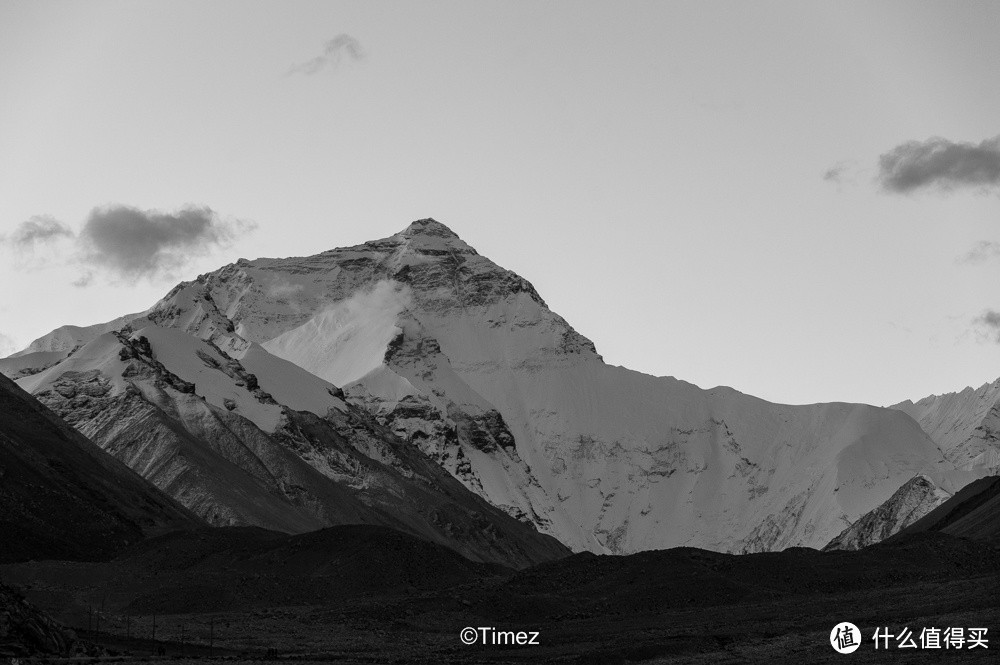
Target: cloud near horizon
x=333 y=52
x=942 y=165
x=127 y=243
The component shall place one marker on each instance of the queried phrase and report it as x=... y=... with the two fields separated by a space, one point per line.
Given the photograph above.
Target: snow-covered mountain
x=965 y=425
x=464 y=361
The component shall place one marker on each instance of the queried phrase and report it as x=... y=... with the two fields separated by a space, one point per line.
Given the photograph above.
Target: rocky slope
x=917 y=497
x=464 y=361
x=27 y=631
x=973 y=512
x=62 y=497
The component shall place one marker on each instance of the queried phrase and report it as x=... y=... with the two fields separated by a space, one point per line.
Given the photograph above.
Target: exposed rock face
x=27 y=631
x=916 y=498
x=463 y=361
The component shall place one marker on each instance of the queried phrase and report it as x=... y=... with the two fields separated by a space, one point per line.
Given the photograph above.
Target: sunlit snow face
x=346 y=340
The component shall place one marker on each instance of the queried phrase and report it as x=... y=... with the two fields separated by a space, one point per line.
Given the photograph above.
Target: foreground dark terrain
x=372 y=595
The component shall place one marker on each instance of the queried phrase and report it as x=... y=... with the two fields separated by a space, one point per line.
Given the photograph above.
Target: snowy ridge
x=67 y=338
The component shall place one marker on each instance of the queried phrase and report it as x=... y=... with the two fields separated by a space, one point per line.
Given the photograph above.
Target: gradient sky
x=692 y=185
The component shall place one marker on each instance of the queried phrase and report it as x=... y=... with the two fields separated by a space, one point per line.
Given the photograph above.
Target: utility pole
x=211 y=637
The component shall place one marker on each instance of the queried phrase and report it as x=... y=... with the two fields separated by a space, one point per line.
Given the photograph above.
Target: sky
x=800 y=200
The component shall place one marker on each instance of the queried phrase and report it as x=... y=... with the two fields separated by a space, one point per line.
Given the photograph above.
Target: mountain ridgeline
x=410 y=382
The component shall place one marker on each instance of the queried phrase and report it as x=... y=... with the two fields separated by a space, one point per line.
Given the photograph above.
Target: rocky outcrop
x=916 y=498
x=26 y=631
x=973 y=512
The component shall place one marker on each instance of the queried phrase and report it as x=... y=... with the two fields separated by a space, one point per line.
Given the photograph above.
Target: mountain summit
x=463 y=361
x=428 y=227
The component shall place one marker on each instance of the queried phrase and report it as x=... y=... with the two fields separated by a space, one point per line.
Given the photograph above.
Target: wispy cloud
x=984 y=250
x=899 y=326
x=84 y=280
x=845 y=172
x=834 y=173
x=333 y=53
x=35 y=231
x=127 y=243
x=941 y=165
x=987 y=325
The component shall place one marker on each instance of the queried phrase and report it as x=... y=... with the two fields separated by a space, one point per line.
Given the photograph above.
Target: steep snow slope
x=464 y=360
x=966 y=425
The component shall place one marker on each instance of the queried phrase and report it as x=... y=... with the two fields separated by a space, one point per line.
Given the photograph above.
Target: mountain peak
x=428 y=227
